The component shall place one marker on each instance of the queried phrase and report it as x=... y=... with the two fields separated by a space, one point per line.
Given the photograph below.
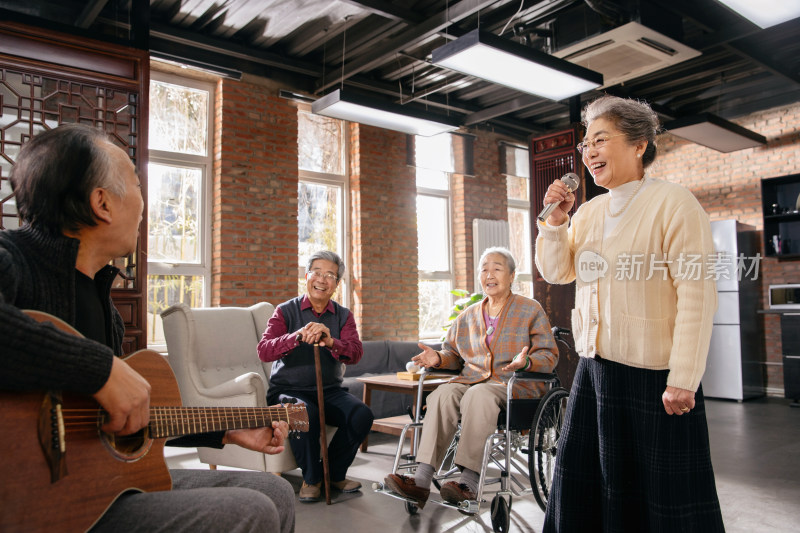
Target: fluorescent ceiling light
x=765 y=13
x=493 y=58
x=373 y=112
x=715 y=132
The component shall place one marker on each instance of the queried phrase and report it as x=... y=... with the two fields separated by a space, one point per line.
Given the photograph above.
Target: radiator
x=485 y=234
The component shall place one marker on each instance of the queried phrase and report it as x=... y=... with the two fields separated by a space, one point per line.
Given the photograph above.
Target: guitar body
x=60 y=472
x=96 y=473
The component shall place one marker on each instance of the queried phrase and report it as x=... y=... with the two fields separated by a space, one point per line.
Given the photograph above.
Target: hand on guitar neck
x=55 y=462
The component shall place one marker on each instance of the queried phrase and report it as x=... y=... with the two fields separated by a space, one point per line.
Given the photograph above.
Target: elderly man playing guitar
x=80 y=202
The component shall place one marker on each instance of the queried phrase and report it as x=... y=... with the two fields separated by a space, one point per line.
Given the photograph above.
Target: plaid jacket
x=521 y=323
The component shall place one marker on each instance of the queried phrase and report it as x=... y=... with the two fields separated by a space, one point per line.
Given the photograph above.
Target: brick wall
x=255 y=207
x=729 y=186
x=482 y=196
x=254 y=220
x=384 y=231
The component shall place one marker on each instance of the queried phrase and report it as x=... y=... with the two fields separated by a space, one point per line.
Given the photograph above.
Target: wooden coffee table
x=390 y=382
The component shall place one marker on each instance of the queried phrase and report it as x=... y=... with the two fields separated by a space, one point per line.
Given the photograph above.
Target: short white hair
x=327 y=255
x=505 y=252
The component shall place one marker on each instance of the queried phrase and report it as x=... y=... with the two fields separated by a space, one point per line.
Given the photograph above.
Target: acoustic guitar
x=60 y=472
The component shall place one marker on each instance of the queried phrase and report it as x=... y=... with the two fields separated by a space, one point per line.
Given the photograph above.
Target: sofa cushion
x=380 y=358
x=374 y=361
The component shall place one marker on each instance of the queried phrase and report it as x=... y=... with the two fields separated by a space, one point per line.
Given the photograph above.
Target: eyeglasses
x=319 y=275
x=596 y=143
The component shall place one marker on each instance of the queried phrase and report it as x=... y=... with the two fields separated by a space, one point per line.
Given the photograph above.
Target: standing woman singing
x=634 y=452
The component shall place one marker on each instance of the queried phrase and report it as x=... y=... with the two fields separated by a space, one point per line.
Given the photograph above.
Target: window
x=178 y=176
x=434 y=164
x=321 y=193
x=517 y=172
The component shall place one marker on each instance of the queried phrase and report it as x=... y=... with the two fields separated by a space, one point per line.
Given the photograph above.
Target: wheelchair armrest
x=535 y=376
x=438 y=371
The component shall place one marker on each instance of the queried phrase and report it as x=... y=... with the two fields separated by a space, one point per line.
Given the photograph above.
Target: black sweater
x=37 y=271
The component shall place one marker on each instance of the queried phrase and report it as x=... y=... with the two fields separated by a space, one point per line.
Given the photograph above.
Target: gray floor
x=755 y=450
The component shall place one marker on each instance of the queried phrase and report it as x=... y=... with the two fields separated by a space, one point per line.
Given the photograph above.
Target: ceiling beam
x=220 y=46
x=89 y=13
x=695 y=12
x=408 y=38
x=389 y=11
x=510 y=106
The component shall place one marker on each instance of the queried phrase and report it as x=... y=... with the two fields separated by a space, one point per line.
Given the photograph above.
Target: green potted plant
x=465 y=299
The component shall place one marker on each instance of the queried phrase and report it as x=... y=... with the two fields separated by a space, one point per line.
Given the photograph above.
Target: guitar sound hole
x=128 y=448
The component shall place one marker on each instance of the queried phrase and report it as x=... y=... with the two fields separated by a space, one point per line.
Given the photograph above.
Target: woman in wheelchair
x=488 y=343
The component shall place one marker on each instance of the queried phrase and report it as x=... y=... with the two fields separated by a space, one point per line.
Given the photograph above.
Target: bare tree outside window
x=320 y=144
x=321 y=192
x=180 y=163
x=173 y=195
x=178 y=118
x=434 y=161
x=519 y=217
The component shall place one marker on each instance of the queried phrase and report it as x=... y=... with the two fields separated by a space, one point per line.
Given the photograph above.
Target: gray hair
x=505 y=252
x=635 y=119
x=327 y=255
x=55 y=174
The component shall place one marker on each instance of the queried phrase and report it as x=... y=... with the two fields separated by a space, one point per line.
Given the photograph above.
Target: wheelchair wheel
x=411 y=508
x=501 y=514
x=543 y=442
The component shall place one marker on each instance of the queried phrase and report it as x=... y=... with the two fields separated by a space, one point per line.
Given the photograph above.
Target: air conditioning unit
x=627 y=52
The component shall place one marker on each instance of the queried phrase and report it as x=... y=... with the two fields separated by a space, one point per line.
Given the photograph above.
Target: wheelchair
x=523 y=449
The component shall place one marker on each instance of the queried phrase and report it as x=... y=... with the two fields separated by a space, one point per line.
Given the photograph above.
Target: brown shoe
x=346 y=485
x=310 y=493
x=406 y=486
x=456 y=493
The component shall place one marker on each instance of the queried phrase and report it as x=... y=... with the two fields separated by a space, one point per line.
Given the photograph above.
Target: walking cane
x=323 y=439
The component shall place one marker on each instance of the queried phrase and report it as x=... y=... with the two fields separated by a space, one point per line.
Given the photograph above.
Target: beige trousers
x=477 y=406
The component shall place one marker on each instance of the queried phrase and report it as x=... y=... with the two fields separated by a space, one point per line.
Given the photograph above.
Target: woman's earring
x=638 y=155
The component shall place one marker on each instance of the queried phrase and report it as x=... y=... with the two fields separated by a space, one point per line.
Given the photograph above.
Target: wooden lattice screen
x=47 y=80
x=552 y=156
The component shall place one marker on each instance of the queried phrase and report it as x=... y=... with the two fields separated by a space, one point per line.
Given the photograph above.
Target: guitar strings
x=173 y=416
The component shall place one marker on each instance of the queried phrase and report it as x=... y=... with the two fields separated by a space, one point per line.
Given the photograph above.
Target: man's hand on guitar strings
x=126 y=399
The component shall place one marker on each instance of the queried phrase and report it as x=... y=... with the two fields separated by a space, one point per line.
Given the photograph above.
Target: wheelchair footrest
x=380 y=488
x=469 y=507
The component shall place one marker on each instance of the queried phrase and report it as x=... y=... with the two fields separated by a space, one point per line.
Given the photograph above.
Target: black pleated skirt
x=624 y=464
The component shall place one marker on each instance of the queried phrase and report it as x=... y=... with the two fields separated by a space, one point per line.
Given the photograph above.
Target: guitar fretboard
x=176 y=421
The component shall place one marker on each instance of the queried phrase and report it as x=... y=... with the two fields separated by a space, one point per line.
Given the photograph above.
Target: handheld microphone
x=571 y=181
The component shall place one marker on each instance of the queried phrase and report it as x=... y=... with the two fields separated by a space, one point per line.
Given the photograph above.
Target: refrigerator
x=734 y=369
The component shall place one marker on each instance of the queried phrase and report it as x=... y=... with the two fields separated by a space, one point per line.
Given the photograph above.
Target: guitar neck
x=178 y=421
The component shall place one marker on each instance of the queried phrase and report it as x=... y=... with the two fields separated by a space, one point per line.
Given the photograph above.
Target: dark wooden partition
x=552 y=156
x=47 y=79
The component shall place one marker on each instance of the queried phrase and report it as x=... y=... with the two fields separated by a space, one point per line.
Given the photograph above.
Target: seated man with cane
x=288 y=341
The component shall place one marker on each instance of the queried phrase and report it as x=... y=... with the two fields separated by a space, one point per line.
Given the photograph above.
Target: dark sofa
x=383 y=357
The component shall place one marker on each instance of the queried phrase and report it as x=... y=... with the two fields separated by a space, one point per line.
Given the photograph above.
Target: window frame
x=336 y=180
x=440 y=275
x=525 y=206
x=206 y=166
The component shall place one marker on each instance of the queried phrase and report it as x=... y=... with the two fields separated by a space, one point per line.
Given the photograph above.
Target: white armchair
x=213 y=354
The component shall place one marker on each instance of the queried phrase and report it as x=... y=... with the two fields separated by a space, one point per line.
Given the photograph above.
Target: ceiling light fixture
x=765 y=13
x=374 y=112
x=487 y=56
x=715 y=132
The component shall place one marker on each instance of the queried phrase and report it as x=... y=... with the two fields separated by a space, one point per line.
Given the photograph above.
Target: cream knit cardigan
x=663 y=322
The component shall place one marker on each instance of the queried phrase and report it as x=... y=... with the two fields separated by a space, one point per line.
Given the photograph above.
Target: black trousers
x=624 y=465
x=352 y=418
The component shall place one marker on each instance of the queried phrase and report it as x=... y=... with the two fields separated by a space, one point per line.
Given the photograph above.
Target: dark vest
x=295 y=370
